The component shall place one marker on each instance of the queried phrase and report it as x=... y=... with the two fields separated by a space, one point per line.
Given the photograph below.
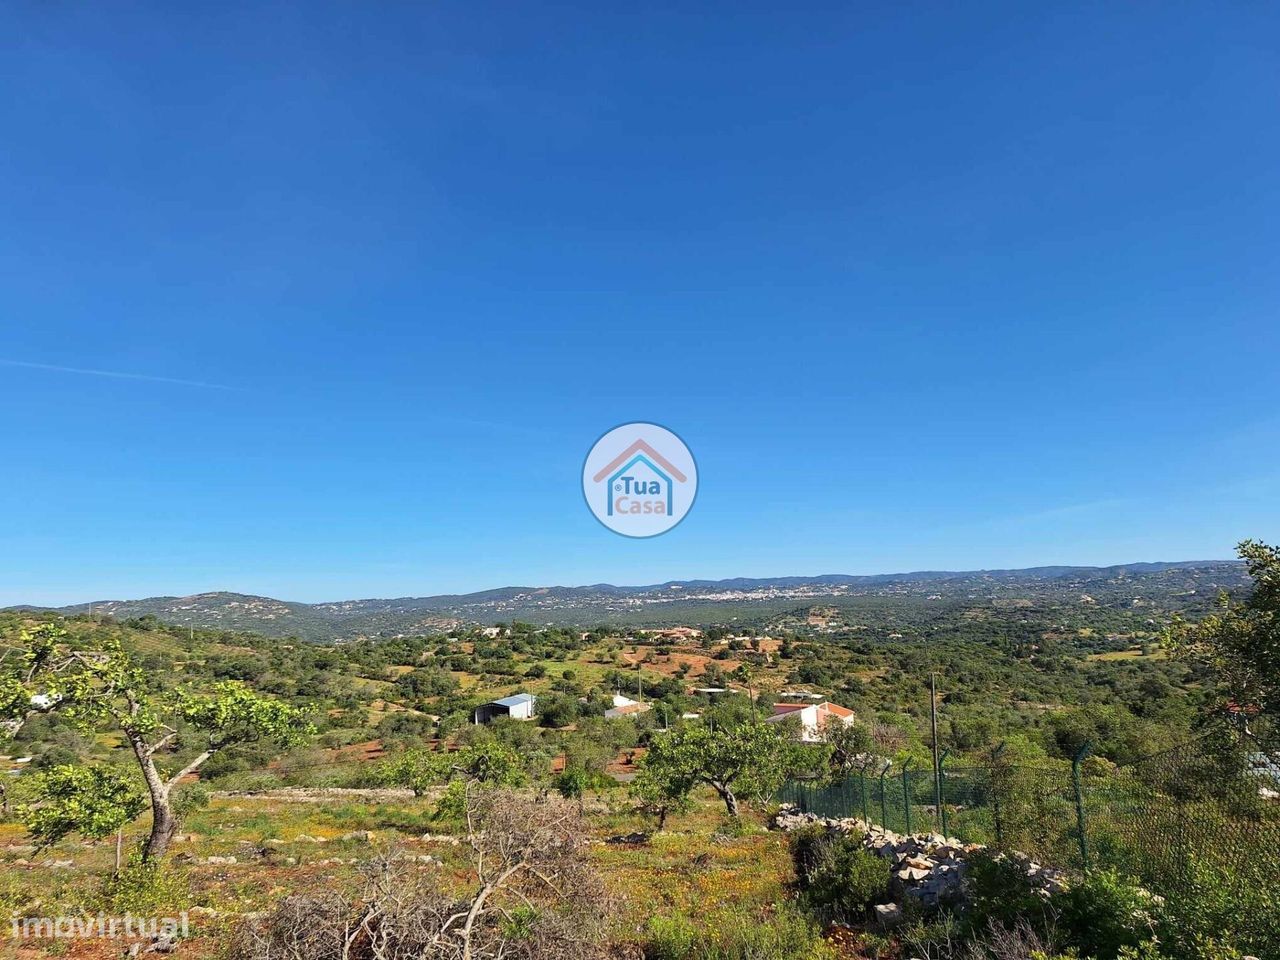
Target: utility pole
x=933 y=724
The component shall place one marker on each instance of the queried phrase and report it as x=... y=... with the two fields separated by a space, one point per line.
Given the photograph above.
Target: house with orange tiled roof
x=812 y=717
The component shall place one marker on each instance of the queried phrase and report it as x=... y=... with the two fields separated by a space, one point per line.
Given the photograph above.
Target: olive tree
x=487 y=762
x=29 y=675
x=748 y=761
x=850 y=747
x=100 y=686
x=94 y=801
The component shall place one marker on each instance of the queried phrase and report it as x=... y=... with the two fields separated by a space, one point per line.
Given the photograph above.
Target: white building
x=813 y=717
x=520 y=706
x=626 y=707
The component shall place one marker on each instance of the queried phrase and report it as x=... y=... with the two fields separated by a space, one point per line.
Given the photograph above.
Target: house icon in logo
x=639 y=479
x=646 y=489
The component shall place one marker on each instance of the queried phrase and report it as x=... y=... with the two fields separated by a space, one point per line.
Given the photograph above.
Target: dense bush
x=998 y=893
x=1103 y=915
x=1216 y=917
x=839 y=877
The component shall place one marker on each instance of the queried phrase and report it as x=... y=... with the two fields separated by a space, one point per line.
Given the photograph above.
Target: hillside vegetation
x=870 y=602
x=157 y=766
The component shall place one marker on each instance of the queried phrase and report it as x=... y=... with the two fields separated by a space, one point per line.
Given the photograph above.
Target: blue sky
x=921 y=285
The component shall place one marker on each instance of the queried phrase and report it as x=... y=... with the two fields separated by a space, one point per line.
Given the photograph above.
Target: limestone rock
x=888 y=914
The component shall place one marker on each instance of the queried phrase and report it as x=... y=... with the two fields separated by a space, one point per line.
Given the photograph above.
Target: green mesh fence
x=1203 y=814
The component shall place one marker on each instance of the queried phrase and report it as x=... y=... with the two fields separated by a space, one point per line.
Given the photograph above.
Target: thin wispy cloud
x=114 y=374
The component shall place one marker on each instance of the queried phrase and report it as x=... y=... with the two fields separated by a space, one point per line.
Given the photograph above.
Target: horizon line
x=640 y=586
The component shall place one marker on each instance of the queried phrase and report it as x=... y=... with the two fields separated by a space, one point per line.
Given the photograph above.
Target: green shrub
x=734 y=828
x=804 y=844
x=189 y=799
x=843 y=878
x=1214 y=915
x=144 y=889
x=848 y=880
x=998 y=893
x=1103 y=915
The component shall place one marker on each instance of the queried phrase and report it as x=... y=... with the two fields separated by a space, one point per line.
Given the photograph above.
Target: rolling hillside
x=1141 y=588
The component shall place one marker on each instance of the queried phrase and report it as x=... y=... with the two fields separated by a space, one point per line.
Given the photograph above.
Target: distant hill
x=743 y=600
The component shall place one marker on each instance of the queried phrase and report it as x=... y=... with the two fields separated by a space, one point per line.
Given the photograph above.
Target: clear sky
x=329 y=301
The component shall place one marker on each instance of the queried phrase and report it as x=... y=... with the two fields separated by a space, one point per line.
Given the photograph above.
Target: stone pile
x=789 y=818
x=928 y=868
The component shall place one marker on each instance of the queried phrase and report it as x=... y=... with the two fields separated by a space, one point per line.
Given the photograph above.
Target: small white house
x=519 y=706
x=814 y=717
x=626 y=707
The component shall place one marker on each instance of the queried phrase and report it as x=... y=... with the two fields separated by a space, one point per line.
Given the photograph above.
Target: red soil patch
x=627 y=761
x=624 y=762
x=668 y=666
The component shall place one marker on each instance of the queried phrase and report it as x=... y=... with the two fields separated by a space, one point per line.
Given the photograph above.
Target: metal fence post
x=995 y=794
x=862 y=779
x=884 y=796
x=906 y=793
x=937 y=784
x=1080 y=818
x=942 y=807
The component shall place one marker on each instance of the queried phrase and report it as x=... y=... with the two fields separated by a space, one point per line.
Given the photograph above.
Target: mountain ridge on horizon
x=1046 y=570
x=669 y=601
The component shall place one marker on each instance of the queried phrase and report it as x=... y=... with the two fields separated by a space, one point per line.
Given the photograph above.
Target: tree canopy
x=748 y=761
x=1240 y=644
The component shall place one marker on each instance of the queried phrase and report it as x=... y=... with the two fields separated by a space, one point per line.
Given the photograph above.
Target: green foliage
x=190 y=798
x=659 y=793
x=417 y=769
x=15 y=698
x=232 y=713
x=573 y=782
x=427 y=682
x=840 y=878
x=728 y=934
x=1110 y=731
x=747 y=761
x=1212 y=916
x=487 y=761
x=849 y=744
x=1240 y=646
x=452 y=805
x=519 y=923
x=94 y=801
x=1103 y=915
x=998 y=892
x=557 y=710
x=145 y=889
